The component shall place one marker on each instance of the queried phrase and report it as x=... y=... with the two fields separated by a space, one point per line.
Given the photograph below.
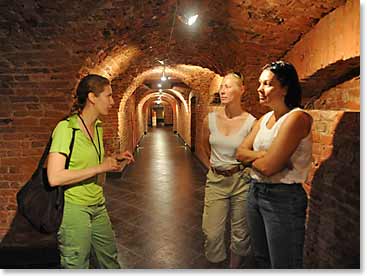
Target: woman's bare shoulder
x=299 y=121
x=300 y=117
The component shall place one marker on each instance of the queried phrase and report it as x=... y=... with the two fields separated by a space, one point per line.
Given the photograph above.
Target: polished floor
x=156 y=206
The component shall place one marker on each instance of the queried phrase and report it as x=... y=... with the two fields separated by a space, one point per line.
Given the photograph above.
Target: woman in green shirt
x=86 y=225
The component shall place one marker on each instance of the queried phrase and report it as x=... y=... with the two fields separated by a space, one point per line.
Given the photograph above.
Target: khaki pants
x=226 y=195
x=86 y=228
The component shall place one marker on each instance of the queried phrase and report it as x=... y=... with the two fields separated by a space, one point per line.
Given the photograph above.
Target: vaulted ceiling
x=131 y=35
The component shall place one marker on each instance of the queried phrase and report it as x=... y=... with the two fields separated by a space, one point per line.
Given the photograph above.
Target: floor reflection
x=156 y=207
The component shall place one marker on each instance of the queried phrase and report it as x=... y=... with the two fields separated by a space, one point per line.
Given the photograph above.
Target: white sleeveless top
x=223 y=148
x=301 y=159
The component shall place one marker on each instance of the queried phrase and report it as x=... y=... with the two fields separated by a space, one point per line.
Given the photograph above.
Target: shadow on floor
x=24 y=247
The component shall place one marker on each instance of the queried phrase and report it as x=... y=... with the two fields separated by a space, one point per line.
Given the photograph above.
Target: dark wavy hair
x=287 y=75
x=89 y=84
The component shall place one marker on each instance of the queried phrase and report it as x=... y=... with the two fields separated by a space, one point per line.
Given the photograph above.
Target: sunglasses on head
x=277 y=64
x=238 y=75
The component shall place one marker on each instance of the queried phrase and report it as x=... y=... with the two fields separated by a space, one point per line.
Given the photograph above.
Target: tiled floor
x=156 y=206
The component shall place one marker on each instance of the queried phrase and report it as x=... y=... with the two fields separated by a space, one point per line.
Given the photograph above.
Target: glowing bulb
x=163 y=78
x=192 y=19
x=159 y=85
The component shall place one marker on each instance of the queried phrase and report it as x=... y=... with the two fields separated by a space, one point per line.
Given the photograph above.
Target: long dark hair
x=287 y=75
x=89 y=84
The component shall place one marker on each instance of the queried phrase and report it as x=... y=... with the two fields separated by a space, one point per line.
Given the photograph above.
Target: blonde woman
x=226 y=190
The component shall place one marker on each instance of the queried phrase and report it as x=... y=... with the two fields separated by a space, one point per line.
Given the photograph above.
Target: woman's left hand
x=125 y=156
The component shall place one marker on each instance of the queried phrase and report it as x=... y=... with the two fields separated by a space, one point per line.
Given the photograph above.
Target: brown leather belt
x=229 y=172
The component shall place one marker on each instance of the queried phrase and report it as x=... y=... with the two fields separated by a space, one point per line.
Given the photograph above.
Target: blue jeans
x=276 y=220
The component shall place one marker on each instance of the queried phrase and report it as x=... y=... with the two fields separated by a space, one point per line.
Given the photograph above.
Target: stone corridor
x=167 y=71
x=156 y=206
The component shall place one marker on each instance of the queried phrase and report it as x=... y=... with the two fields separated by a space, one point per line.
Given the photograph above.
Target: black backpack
x=41 y=204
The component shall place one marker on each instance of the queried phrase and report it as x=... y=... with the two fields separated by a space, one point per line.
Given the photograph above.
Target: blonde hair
x=238 y=76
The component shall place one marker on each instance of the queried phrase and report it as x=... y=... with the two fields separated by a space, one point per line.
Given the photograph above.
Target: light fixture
x=191 y=20
x=163 y=78
x=188 y=20
x=163 y=61
x=159 y=85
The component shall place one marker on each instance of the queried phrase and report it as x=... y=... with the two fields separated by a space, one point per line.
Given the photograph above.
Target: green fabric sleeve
x=61 y=138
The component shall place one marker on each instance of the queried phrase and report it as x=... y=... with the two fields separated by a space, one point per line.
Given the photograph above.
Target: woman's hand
x=260 y=154
x=110 y=164
x=125 y=156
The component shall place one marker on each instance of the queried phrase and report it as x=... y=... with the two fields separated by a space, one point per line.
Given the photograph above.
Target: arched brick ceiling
x=147 y=95
x=194 y=77
x=330 y=76
x=150 y=99
x=235 y=34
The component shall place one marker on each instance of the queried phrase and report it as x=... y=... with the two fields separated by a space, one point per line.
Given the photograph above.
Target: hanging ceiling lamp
x=188 y=20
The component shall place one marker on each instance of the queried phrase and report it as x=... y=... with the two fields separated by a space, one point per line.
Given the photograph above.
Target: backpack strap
x=47 y=149
x=70 y=149
x=60 y=189
x=45 y=153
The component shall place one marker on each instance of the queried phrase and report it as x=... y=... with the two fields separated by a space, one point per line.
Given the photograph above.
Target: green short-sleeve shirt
x=84 y=155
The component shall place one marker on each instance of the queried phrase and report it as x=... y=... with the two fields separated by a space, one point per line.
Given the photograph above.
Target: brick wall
x=168 y=115
x=110 y=126
x=183 y=123
x=345 y=96
x=336 y=37
x=332 y=236
x=329 y=68
x=128 y=126
x=31 y=104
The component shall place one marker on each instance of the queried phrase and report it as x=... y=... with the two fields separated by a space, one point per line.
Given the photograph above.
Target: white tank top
x=223 y=148
x=301 y=159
